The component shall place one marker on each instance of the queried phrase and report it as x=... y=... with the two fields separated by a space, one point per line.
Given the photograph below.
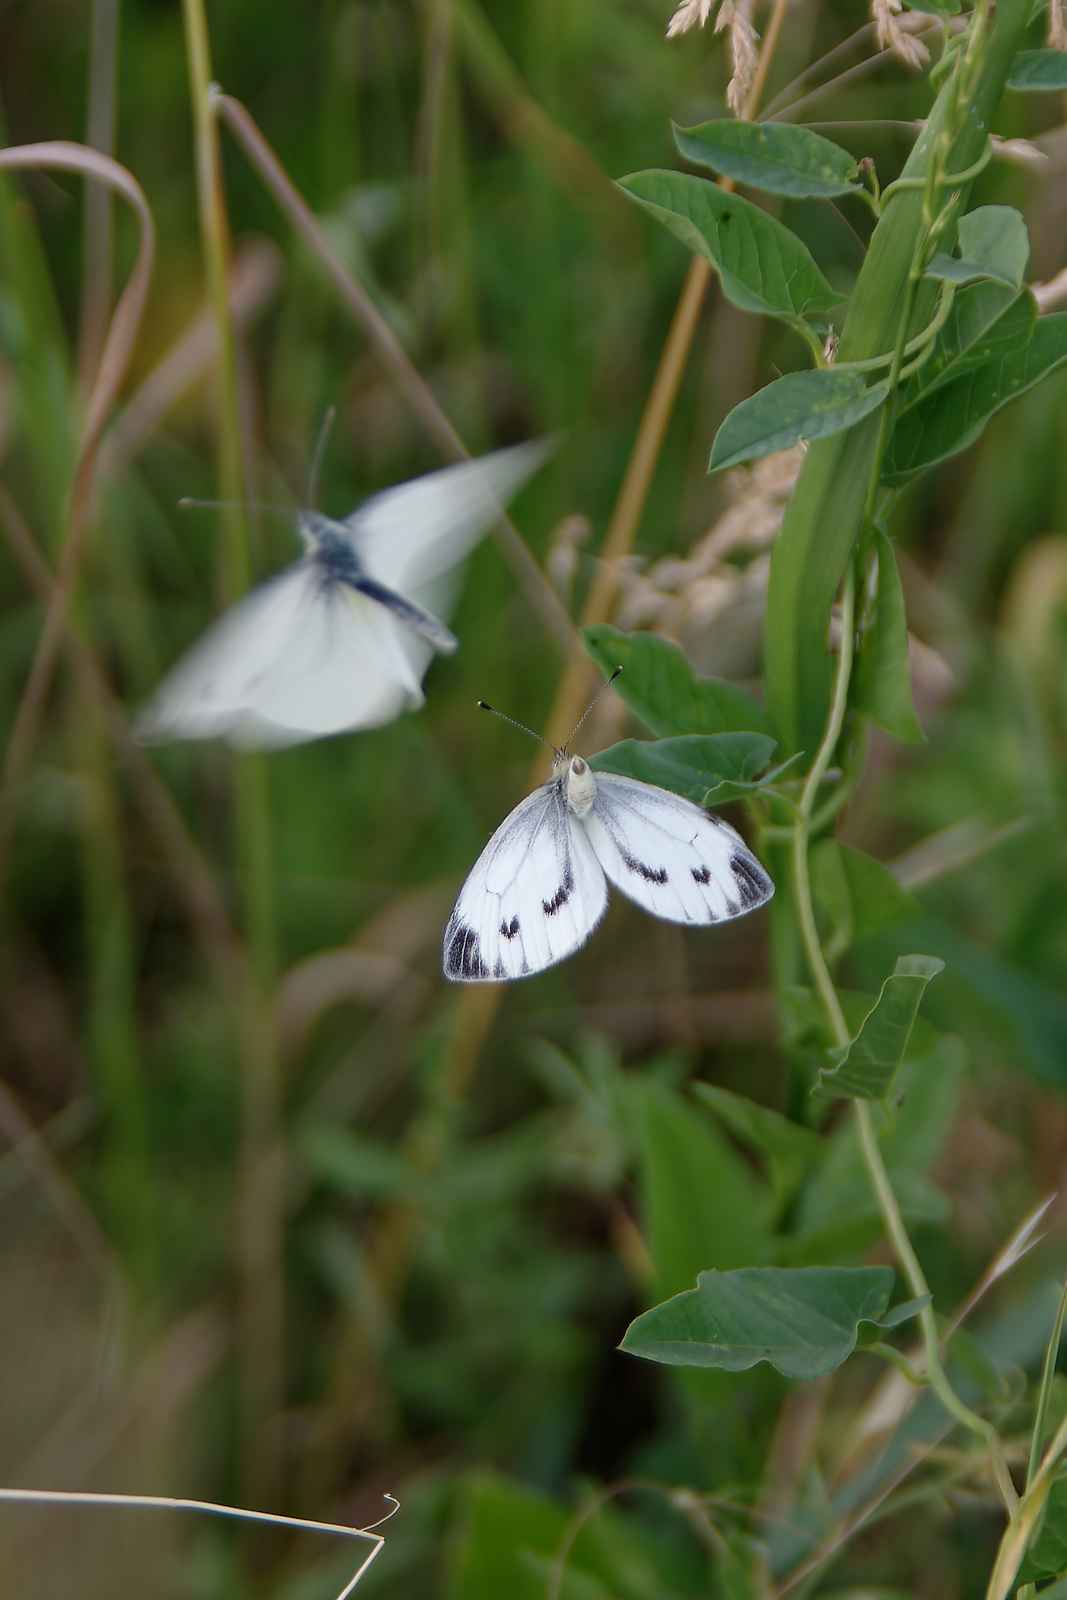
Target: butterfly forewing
x=410 y=536
x=534 y=896
x=675 y=860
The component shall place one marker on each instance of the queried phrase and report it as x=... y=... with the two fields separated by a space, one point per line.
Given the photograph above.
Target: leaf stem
x=802 y=827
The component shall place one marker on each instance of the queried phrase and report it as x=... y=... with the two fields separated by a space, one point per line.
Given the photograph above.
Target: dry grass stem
x=118 y=347
x=1057 y=30
x=891 y=36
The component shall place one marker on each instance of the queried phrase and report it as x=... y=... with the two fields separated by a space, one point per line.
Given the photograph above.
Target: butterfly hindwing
x=533 y=897
x=672 y=858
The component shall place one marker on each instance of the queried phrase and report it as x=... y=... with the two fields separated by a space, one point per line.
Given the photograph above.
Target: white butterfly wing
x=672 y=858
x=214 y=683
x=299 y=658
x=533 y=897
x=348 y=665
x=412 y=536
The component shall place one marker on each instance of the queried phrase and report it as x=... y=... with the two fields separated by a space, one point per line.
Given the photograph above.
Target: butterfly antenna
x=320 y=450
x=590 y=706
x=188 y=503
x=485 y=706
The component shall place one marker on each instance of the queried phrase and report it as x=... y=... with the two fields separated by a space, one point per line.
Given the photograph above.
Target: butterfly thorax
x=579 y=784
x=329 y=544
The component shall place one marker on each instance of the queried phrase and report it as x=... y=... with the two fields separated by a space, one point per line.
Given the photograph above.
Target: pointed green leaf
x=659 y=686
x=700 y=1201
x=772 y=156
x=882 y=684
x=937 y=426
x=1039 y=69
x=866 y=1068
x=993 y=243
x=857 y=894
x=789 y=1150
x=763 y=267
x=803 y=1320
x=986 y=321
x=802 y=405
x=707 y=768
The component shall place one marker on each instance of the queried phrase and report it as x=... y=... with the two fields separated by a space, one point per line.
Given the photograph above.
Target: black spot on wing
x=463 y=956
x=508 y=930
x=640 y=868
x=750 y=880
x=562 y=894
x=702 y=874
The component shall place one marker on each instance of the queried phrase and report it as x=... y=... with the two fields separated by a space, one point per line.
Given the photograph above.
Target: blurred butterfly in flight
x=540 y=886
x=341 y=639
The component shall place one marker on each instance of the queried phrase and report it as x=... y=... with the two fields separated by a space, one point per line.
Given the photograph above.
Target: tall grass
x=285 y=1219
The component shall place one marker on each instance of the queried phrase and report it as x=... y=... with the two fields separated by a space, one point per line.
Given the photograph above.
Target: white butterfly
x=540 y=886
x=341 y=639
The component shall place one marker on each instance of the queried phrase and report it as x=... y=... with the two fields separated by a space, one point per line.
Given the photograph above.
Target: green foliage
x=882 y=684
x=802 y=405
x=1039 y=69
x=709 y=769
x=773 y=157
x=803 y=1320
x=933 y=427
x=855 y=895
x=369 y=1231
x=702 y=1207
x=762 y=266
x=993 y=244
x=866 y=1068
x=662 y=690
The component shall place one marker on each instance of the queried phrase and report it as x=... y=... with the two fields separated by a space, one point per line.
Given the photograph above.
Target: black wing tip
x=753 y=884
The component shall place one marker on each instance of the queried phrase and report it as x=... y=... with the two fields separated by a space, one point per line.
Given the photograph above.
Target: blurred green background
x=456 y=1232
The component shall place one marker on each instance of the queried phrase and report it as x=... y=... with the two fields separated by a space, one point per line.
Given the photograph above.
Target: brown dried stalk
x=68 y=157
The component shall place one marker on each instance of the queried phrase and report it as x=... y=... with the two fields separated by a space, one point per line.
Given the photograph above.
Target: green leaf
x=937 y=426
x=700 y=1201
x=837 y=1217
x=882 y=684
x=803 y=1320
x=866 y=1067
x=763 y=267
x=511 y=1535
x=771 y=156
x=986 y=321
x=855 y=894
x=802 y=405
x=354 y=1163
x=660 y=687
x=993 y=243
x=789 y=1150
x=1039 y=69
x=707 y=768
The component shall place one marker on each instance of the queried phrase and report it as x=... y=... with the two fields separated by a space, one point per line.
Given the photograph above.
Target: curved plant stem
x=872 y=1155
x=802 y=827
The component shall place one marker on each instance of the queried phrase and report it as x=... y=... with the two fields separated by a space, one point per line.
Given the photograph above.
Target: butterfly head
x=578 y=780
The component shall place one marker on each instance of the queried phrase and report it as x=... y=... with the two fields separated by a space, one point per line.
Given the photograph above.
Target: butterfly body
x=340 y=640
x=540 y=886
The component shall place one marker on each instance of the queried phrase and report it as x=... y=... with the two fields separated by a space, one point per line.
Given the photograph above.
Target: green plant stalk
x=1045 y=1394
x=872 y=1155
x=261 y=1171
x=1020 y=1531
x=114 y=1049
x=831 y=492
